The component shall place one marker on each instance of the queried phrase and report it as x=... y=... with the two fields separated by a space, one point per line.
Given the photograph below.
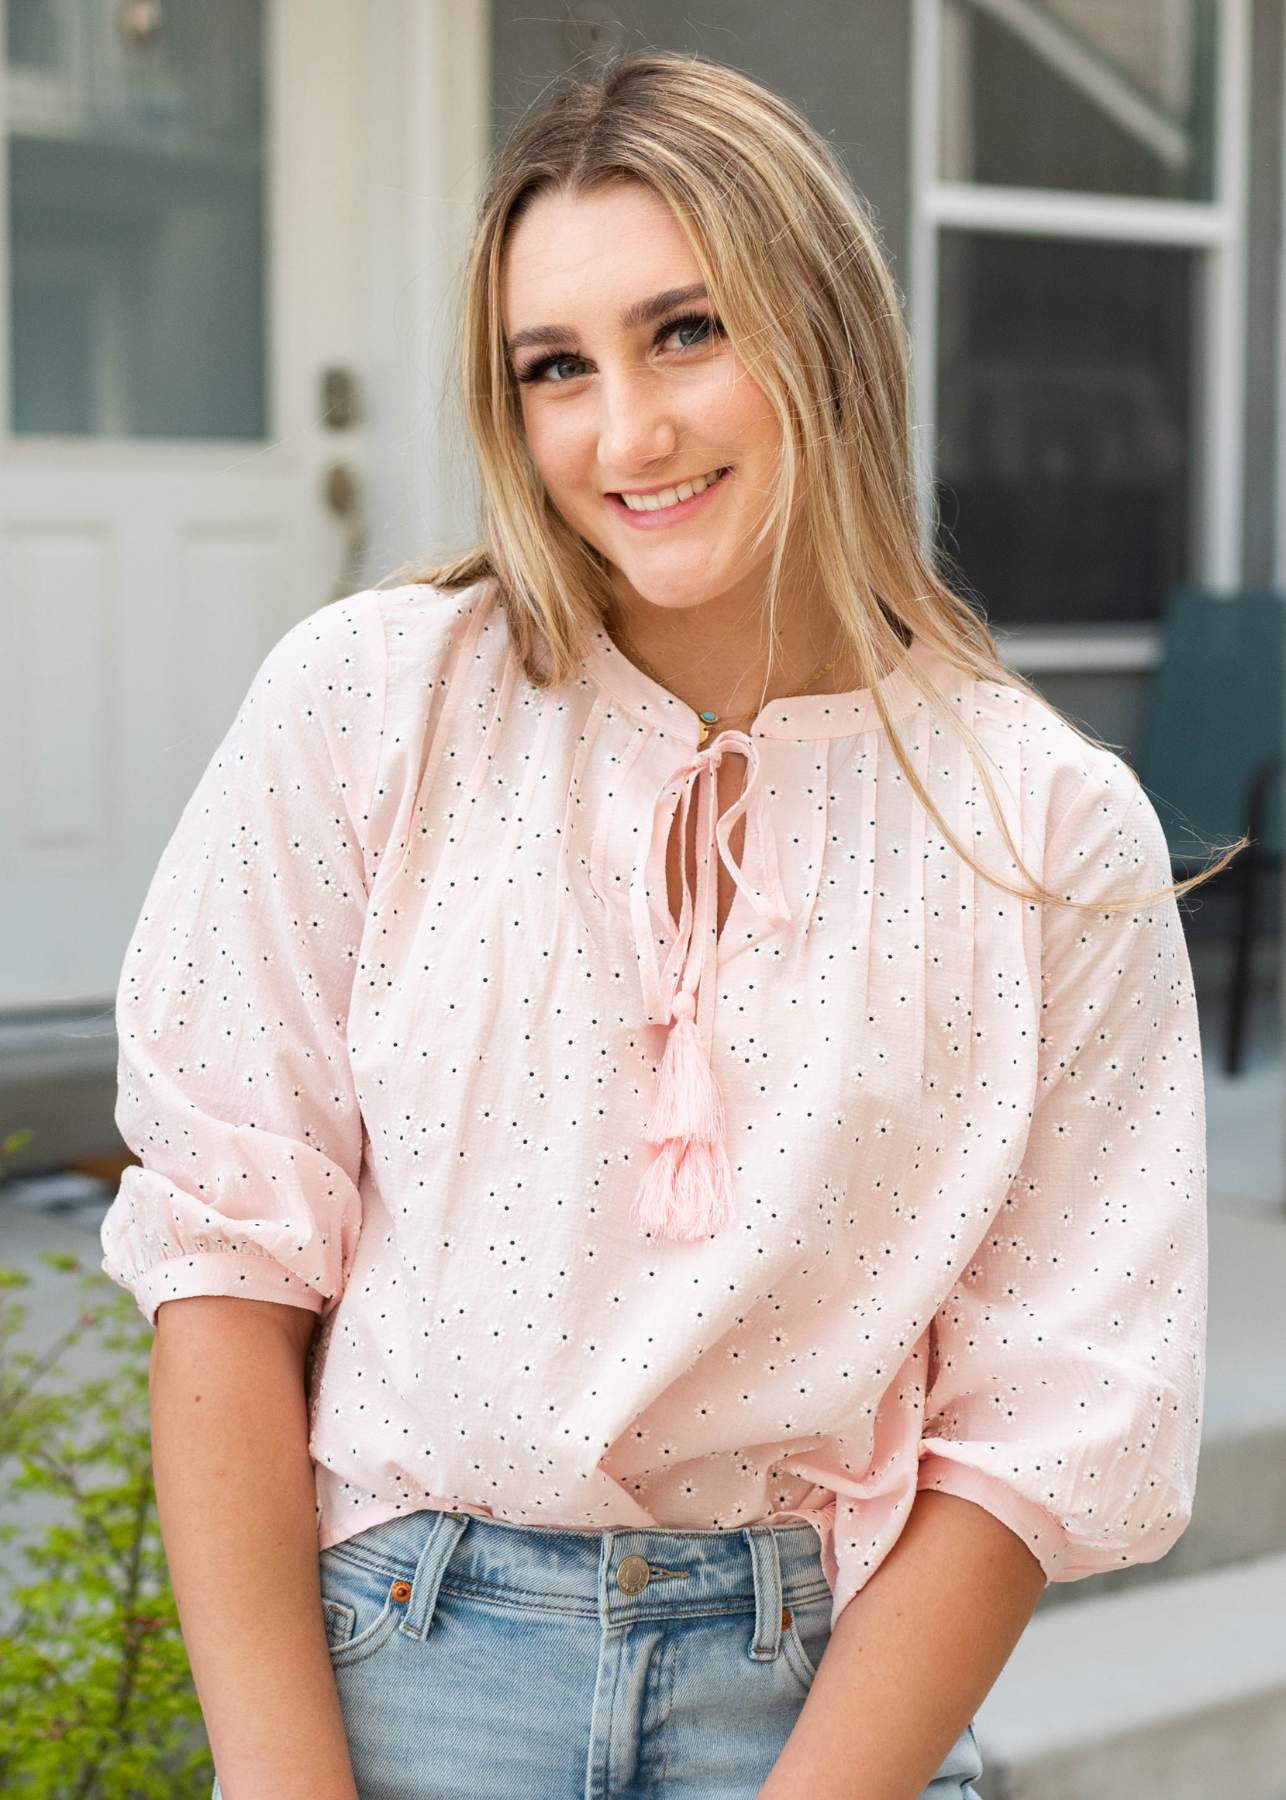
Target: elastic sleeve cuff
x=233 y=1273
x=1042 y=1535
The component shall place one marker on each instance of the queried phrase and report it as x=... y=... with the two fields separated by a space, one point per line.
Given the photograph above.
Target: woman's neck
x=721 y=657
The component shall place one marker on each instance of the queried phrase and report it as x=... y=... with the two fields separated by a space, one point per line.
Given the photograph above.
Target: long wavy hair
x=793 y=267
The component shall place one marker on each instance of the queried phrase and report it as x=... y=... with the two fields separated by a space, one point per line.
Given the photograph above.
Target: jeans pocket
x=362 y=1606
x=805 y=1637
x=340 y=1622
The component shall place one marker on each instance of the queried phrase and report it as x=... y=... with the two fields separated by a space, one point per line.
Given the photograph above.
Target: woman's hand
x=911 y=1658
x=234 y=1485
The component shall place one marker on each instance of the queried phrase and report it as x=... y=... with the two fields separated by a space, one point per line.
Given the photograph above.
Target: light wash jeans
x=483 y=1661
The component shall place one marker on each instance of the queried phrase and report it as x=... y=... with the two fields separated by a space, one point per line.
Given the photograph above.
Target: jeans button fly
x=633 y=1575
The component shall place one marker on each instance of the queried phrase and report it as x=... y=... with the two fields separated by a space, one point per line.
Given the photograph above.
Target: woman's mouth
x=665 y=506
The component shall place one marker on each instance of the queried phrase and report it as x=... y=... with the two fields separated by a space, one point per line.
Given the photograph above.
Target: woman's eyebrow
x=540 y=334
x=644 y=311
x=641 y=313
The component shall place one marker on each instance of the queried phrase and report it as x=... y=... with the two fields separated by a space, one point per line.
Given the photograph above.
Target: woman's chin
x=676 y=585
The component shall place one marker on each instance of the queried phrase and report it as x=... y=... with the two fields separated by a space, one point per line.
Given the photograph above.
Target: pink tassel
x=687 y=1103
x=686 y=1194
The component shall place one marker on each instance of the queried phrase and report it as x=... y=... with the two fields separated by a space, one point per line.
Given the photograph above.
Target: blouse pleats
x=391 y=1025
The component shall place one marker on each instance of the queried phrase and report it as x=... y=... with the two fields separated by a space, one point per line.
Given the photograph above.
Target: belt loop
x=445 y=1534
x=606 y=1554
x=766 y=1564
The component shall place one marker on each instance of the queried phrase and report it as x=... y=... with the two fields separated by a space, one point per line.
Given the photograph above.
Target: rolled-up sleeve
x=1066 y=1366
x=235 y=1085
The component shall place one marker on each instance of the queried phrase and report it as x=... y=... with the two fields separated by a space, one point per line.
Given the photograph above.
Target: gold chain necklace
x=709 y=721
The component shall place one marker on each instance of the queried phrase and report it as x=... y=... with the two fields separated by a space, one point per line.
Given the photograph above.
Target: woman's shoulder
x=1083 y=808
x=348 y=693
x=425 y=620
x=437 y=636
x=357 y=661
x=364 y=633
x=1057 y=763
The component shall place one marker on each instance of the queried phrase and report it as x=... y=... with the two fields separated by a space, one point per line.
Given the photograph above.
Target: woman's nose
x=637 y=428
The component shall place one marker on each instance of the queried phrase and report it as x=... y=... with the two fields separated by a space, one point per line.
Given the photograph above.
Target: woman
x=686 y=1064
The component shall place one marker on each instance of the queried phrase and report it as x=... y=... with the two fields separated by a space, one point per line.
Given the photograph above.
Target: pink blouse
x=390 y=1029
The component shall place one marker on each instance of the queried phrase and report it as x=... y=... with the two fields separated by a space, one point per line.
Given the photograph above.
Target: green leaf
x=96 y=1697
x=63 y=1260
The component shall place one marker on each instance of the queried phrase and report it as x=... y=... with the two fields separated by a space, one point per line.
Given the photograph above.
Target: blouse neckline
x=799 y=719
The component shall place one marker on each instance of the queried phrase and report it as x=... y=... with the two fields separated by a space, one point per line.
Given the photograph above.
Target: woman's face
x=652 y=439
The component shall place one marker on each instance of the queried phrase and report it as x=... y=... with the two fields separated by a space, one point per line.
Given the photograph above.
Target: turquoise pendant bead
x=709 y=717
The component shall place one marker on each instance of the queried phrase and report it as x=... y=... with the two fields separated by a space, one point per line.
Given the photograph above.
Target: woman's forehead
x=575 y=252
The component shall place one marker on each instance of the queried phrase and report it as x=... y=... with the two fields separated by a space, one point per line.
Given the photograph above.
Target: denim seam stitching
x=369 y=1642
x=395 y=1571
x=608 y=1770
x=681 y=1609
x=620 y=1617
x=672 y=1656
x=796 y=1657
x=465 y=1583
x=506 y=1603
x=332 y=1607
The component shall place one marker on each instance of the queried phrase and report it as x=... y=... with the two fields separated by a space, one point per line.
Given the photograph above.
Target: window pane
x=136 y=217
x=1093 y=96
x=32 y=29
x=1063 y=424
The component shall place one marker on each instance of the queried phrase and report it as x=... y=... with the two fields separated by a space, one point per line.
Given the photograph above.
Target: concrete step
x=1171 y=1692
x=58 y=1081
x=1245 y=1143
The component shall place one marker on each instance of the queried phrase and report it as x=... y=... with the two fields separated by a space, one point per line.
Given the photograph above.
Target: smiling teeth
x=672 y=496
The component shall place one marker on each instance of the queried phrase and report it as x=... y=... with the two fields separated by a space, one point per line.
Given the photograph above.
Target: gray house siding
x=847 y=63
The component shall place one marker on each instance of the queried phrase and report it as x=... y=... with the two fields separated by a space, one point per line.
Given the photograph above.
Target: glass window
x=1064 y=400
x=32 y=26
x=1092 y=96
x=136 y=217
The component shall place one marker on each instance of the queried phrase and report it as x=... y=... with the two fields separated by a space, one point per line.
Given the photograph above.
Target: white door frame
x=184 y=561
x=1217 y=228
x=429 y=138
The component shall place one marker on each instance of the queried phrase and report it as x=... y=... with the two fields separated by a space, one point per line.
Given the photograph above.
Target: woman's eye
x=690 y=332
x=564 y=368
x=553 y=368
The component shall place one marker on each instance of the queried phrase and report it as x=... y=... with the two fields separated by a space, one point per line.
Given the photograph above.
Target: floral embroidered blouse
x=390 y=1030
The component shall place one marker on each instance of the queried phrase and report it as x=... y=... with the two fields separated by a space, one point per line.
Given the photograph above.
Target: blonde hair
x=794 y=270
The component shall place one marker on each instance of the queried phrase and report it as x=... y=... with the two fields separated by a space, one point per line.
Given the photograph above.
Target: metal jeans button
x=633 y=1575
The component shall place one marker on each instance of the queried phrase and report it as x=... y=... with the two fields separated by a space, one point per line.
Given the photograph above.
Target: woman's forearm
x=911 y=1658
x=234 y=1486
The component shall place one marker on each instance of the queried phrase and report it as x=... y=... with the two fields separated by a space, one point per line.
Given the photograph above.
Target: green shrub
x=96 y=1698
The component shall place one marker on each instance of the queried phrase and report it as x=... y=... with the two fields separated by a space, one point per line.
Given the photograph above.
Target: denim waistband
x=621 y=1576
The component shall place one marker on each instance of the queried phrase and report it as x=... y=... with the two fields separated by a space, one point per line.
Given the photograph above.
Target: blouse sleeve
x=1066 y=1369
x=235 y=1088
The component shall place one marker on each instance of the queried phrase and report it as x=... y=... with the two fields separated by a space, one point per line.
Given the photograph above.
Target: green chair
x=1212 y=755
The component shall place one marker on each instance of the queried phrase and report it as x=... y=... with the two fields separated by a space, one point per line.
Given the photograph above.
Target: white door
x=179 y=243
